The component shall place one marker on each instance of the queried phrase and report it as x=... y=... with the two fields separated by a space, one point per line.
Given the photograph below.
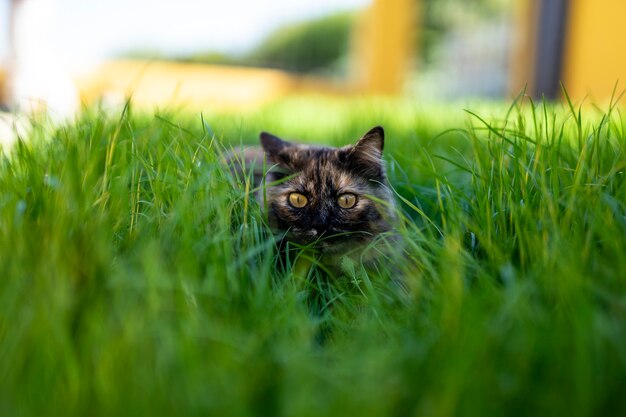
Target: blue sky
x=87 y=30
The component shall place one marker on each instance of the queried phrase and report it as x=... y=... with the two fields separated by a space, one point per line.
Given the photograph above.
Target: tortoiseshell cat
x=334 y=199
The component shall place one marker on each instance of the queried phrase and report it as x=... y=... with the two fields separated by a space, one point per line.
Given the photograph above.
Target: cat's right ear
x=271 y=144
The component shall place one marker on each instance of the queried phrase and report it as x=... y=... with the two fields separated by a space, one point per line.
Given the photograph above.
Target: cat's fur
x=322 y=174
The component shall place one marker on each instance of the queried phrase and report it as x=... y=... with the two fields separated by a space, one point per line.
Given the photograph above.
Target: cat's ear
x=365 y=157
x=278 y=151
x=370 y=146
x=272 y=145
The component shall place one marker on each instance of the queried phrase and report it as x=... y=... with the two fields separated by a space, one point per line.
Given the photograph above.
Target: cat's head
x=335 y=196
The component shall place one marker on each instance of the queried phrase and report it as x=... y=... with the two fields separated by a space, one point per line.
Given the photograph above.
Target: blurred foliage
x=214 y=57
x=206 y=57
x=310 y=46
x=313 y=46
x=321 y=45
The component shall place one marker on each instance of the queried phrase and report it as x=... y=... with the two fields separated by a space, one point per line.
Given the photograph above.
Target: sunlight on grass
x=138 y=278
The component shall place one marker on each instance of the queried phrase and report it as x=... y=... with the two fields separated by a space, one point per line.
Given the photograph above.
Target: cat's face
x=330 y=196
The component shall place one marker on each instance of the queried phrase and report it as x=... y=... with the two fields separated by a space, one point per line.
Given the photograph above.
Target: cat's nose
x=319 y=228
x=320 y=224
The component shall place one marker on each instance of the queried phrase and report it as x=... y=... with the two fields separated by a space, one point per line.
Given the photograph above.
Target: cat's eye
x=297 y=200
x=346 y=200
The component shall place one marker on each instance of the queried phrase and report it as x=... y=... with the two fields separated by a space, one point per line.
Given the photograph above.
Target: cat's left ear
x=370 y=146
x=272 y=145
x=365 y=157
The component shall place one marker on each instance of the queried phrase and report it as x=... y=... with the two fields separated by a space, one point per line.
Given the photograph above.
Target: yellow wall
x=595 y=49
x=177 y=85
x=523 y=47
x=385 y=45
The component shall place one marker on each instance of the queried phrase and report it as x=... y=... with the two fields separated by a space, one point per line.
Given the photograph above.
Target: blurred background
x=59 y=54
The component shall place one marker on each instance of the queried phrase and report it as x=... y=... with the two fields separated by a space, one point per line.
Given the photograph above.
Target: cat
x=335 y=200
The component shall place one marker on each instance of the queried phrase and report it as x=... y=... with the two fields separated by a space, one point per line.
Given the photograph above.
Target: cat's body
x=336 y=200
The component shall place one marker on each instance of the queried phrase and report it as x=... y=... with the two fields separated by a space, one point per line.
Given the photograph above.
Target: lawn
x=136 y=278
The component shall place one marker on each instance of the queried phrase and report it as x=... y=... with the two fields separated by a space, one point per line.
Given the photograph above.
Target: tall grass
x=137 y=279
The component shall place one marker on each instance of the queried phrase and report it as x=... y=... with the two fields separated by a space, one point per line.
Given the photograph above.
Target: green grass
x=135 y=279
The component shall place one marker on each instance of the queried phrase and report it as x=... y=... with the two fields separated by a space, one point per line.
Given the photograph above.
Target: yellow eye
x=297 y=200
x=346 y=200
